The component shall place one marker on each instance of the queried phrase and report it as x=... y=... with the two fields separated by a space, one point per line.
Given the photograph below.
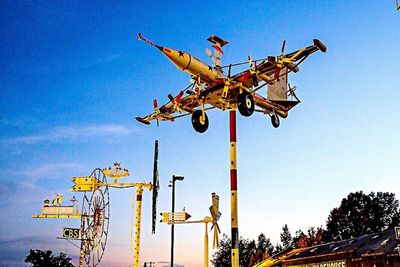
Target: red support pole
x=233 y=178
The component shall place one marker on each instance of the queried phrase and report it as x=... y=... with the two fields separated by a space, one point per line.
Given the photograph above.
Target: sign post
x=175 y=217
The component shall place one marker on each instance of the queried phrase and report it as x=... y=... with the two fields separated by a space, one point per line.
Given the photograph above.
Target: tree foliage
x=40 y=258
x=360 y=214
x=286 y=237
x=250 y=252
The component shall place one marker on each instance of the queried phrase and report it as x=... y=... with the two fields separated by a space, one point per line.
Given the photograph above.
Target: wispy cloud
x=71 y=133
x=49 y=169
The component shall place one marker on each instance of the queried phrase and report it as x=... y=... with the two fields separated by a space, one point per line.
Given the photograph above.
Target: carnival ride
x=95 y=212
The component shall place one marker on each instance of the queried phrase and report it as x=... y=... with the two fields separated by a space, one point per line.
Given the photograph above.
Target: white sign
x=339 y=263
x=397 y=230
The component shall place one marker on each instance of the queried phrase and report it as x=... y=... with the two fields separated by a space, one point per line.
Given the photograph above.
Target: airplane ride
x=213 y=88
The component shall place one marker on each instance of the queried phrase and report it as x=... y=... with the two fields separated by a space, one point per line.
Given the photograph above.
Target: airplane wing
x=270 y=70
x=176 y=107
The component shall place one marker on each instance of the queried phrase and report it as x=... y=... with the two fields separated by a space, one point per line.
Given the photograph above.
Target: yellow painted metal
x=55 y=216
x=234 y=188
x=206 y=220
x=85 y=184
x=234 y=213
x=235 y=257
x=139 y=192
x=233 y=155
x=206 y=245
x=131 y=228
x=165 y=216
x=59 y=212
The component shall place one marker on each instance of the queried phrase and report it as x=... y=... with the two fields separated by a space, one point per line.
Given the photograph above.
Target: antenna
x=156 y=186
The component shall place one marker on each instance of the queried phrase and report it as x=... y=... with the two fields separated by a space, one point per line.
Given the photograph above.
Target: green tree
x=39 y=258
x=286 y=237
x=264 y=245
x=222 y=257
x=360 y=214
x=250 y=252
x=314 y=236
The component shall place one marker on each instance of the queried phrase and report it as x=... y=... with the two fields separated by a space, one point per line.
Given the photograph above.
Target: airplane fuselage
x=191 y=65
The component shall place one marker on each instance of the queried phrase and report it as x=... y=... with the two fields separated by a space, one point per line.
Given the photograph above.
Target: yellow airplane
x=213 y=88
x=397 y=5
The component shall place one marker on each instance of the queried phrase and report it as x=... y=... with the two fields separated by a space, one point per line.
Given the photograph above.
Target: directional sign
x=397 y=230
x=82 y=184
x=71 y=233
x=176 y=217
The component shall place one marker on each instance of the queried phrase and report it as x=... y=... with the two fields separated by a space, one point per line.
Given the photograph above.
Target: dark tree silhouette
x=40 y=258
x=360 y=214
x=250 y=252
x=286 y=237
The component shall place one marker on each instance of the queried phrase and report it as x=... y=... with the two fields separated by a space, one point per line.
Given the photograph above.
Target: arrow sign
x=175 y=217
x=82 y=184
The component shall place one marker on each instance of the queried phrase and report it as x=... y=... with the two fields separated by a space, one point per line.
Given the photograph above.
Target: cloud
x=71 y=133
x=50 y=169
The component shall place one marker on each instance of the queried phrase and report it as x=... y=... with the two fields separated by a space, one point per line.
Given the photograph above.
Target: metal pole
x=173 y=226
x=139 y=192
x=206 y=247
x=233 y=178
x=83 y=244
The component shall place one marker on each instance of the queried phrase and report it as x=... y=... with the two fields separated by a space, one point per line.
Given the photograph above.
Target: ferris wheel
x=95 y=220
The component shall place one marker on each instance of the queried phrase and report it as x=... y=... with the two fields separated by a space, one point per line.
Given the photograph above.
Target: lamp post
x=174 y=178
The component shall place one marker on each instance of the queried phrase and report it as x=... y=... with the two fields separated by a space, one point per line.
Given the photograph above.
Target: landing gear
x=199 y=122
x=246 y=104
x=275 y=120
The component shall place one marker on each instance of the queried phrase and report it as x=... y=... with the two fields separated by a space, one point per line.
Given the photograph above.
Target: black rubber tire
x=246 y=104
x=198 y=125
x=275 y=120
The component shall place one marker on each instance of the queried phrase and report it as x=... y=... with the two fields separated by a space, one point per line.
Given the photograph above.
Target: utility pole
x=174 y=178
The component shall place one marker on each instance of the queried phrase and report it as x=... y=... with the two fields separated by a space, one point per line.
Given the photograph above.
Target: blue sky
x=73 y=76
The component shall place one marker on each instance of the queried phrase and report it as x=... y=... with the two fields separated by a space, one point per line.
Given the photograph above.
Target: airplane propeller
x=156 y=111
x=176 y=101
x=253 y=70
x=283 y=61
x=215 y=215
x=291 y=91
x=209 y=53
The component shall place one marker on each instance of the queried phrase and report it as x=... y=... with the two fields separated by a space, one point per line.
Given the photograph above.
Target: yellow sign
x=338 y=263
x=176 y=217
x=165 y=216
x=71 y=233
x=397 y=229
x=82 y=184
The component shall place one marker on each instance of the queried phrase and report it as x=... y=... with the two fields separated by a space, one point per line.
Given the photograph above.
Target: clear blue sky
x=73 y=77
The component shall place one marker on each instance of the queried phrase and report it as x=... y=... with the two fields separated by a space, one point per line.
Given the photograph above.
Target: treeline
x=358 y=214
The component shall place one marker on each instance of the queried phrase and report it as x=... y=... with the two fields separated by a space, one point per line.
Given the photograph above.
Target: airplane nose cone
x=179 y=58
